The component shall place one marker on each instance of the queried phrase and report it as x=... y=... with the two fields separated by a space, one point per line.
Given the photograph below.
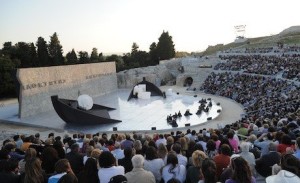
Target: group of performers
x=203 y=106
x=171 y=119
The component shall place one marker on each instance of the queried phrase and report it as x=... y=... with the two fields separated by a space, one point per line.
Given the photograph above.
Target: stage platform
x=139 y=114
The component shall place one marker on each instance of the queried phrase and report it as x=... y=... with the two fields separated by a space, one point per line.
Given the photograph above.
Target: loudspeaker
x=209 y=118
x=115 y=129
x=187 y=124
x=177 y=93
x=218 y=103
x=153 y=128
x=219 y=110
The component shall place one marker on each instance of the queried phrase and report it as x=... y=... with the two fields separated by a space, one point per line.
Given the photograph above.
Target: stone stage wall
x=37 y=85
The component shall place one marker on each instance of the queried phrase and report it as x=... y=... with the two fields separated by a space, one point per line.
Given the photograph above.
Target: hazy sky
x=113 y=25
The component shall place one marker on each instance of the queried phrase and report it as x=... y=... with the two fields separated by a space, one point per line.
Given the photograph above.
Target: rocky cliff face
x=158 y=75
x=168 y=72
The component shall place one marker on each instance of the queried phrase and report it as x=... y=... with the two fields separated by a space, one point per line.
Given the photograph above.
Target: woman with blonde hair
x=162 y=151
x=29 y=153
x=33 y=172
x=170 y=142
x=194 y=172
x=184 y=145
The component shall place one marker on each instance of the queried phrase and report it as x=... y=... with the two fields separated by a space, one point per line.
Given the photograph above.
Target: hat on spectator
x=118 y=179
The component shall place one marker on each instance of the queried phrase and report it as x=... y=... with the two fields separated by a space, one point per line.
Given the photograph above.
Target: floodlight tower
x=240 y=31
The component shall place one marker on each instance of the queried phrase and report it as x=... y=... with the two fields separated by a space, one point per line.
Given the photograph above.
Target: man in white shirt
x=118 y=152
x=161 y=140
x=182 y=160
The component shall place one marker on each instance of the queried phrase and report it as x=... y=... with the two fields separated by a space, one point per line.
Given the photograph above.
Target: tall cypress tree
x=94 y=55
x=55 y=50
x=42 y=52
x=72 y=57
x=33 y=55
x=165 y=47
x=153 y=54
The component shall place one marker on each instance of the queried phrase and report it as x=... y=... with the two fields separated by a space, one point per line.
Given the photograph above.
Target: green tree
x=83 y=57
x=23 y=54
x=33 y=55
x=165 y=47
x=153 y=54
x=141 y=59
x=7 y=66
x=8 y=50
x=134 y=48
x=42 y=52
x=94 y=55
x=55 y=50
x=72 y=57
x=101 y=57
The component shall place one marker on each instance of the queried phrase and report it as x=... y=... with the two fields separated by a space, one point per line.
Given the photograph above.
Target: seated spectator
x=137 y=145
x=211 y=148
x=88 y=152
x=127 y=143
x=138 y=173
x=241 y=171
x=108 y=167
x=59 y=147
x=182 y=160
x=222 y=160
x=263 y=144
x=208 y=170
x=33 y=172
x=118 y=152
x=29 y=154
x=63 y=172
x=297 y=146
x=10 y=174
x=18 y=141
x=75 y=159
x=126 y=161
x=248 y=156
x=170 y=142
x=49 y=158
x=161 y=140
x=264 y=163
x=90 y=172
x=162 y=151
x=290 y=170
x=153 y=163
x=232 y=141
x=194 y=172
x=11 y=148
x=286 y=142
x=27 y=142
x=173 y=169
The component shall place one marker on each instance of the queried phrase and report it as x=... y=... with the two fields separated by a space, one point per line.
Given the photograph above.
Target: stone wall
x=158 y=75
x=37 y=85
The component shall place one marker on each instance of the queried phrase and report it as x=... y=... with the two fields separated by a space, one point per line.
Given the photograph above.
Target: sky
x=112 y=26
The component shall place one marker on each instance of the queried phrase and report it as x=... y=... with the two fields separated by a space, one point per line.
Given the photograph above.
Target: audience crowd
x=263 y=146
x=266 y=61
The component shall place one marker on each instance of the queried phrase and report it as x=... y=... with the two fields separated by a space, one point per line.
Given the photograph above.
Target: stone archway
x=188 y=81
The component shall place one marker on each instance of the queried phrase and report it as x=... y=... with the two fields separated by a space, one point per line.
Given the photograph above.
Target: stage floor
x=136 y=114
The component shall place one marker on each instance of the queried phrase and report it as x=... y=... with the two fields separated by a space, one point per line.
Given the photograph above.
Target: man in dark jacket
x=75 y=159
x=264 y=164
